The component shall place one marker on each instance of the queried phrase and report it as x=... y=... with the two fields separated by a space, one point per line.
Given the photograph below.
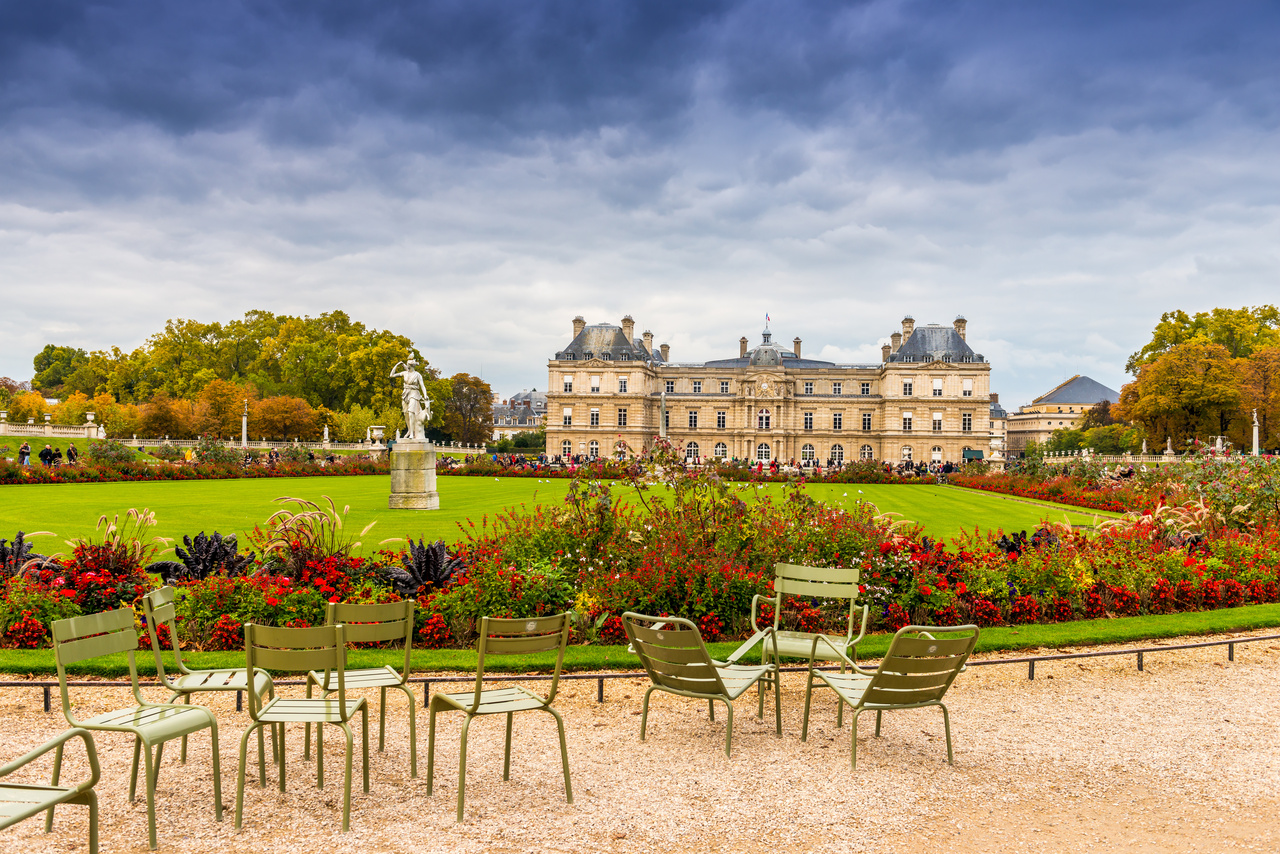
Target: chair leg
x=711 y=708
x=564 y=755
x=280 y=760
x=462 y=767
x=150 y=771
x=133 y=774
x=319 y=756
x=853 y=740
x=217 y=772
x=777 y=701
x=879 y=714
x=946 y=725
x=506 y=755
x=382 y=720
x=728 y=733
x=262 y=752
x=244 y=756
x=808 y=698
x=364 y=710
x=182 y=760
x=351 y=749
x=306 y=738
x=92 y=797
x=413 y=733
x=431 y=746
x=644 y=712
x=57 y=771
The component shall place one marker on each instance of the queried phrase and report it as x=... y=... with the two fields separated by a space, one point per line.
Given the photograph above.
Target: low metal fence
x=47 y=686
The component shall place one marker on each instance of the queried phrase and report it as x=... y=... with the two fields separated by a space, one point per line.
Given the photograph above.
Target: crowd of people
x=49 y=456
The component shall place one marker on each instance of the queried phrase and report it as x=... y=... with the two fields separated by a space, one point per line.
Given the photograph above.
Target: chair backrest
x=295 y=650
x=160 y=610
x=521 y=636
x=920 y=666
x=673 y=654
x=375 y=623
x=92 y=636
x=828 y=582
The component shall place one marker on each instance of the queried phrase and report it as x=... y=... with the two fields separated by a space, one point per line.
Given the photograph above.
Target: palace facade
x=928 y=399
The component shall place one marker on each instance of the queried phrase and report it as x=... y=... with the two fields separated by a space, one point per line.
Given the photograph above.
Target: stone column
x=413 y=476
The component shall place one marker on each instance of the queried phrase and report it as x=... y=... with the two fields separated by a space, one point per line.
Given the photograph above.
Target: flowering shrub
x=434 y=633
x=26 y=633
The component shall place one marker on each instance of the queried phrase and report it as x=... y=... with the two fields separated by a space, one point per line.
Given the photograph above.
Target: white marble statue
x=414 y=401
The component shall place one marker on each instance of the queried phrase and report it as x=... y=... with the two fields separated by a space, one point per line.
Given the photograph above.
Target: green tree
x=1240 y=331
x=54 y=364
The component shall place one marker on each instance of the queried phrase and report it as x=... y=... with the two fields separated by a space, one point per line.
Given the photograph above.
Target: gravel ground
x=1091 y=755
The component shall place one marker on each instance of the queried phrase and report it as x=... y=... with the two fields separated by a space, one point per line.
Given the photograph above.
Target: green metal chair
x=915 y=673
x=677 y=661
x=300 y=650
x=371 y=624
x=505 y=637
x=159 y=607
x=151 y=724
x=810 y=582
x=19 y=801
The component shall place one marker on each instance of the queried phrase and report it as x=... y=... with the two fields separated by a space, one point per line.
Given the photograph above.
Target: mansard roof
x=1079 y=390
x=606 y=341
x=935 y=343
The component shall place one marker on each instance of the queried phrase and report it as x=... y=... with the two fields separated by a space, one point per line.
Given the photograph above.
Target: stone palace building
x=928 y=399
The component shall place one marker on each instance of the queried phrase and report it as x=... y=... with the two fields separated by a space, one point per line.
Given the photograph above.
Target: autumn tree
x=1260 y=390
x=163 y=416
x=27 y=406
x=1098 y=415
x=1191 y=391
x=468 y=415
x=284 y=417
x=1239 y=331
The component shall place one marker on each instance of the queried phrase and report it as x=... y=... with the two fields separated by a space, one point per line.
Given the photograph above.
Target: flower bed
x=1115 y=498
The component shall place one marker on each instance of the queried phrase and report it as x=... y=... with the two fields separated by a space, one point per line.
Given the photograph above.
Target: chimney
x=995 y=397
x=896 y=338
x=742 y=347
x=628 y=328
x=960 y=324
x=578 y=325
x=796 y=342
x=884 y=352
x=666 y=351
x=908 y=326
x=648 y=341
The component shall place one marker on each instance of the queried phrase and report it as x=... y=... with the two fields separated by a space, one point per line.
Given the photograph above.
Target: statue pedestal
x=413 y=476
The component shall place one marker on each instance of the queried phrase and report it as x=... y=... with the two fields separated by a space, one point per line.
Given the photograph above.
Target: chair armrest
x=862 y=629
x=757 y=599
x=75 y=732
x=746 y=647
x=813 y=651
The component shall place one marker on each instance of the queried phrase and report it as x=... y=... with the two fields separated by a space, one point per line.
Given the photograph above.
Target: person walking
x=72 y=454
x=24 y=454
x=46 y=456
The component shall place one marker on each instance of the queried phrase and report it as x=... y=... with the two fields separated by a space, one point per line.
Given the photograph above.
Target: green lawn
x=1046 y=639
x=236 y=506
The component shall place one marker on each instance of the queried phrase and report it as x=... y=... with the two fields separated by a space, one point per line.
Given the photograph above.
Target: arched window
x=762 y=452
x=867 y=452
x=906 y=453
x=837 y=454
x=566 y=448
x=806 y=454
x=691 y=450
x=935 y=454
x=722 y=450
x=763 y=420
x=593 y=448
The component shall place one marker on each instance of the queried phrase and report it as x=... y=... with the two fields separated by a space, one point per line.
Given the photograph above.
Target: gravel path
x=1091 y=755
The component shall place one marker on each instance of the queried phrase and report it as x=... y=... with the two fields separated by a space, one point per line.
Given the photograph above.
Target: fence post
x=1139 y=662
x=47 y=702
x=1031 y=669
x=1231 y=652
x=600 y=690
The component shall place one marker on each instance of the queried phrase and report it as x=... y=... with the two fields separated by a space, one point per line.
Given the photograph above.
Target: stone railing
x=88 y=430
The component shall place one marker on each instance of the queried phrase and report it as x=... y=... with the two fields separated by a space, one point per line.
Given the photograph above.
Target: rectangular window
x=697 y=386
x=722 y=419
x=937 y=388
x=808 y=421
x=622 y=385
x=968 y=388
x=906 y=388
x=693 y=421
x=666 y=420
x=937 y=422
x=906 y=422
x=595 y=417
x=568 y=385
x=808 y=388
x=724 y=386
x=837 y=388
x=866 y=388
x=837 y=421
x=966 y=422
x=622 y=418
x=595 y=385
x=866 y=421
x=568 y=416
x=671 y=386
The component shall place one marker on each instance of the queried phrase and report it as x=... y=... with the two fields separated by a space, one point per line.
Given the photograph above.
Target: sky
x=473 y=174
